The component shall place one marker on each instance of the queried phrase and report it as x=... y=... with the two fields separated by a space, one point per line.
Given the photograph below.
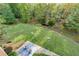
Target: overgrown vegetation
x=72 y=21
x=22 y=22
x=48 y=39
x=6 y=13
x=12 y=54
x=45 y=14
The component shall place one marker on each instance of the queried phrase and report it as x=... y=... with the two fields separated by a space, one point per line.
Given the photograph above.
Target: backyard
x=54 y=27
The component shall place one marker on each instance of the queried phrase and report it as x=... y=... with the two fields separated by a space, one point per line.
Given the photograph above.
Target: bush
x=12 y=54
x=2 y=20
x=39 y=12
x=19 y=38
x=51 y=23
x=25 y=11
x=15 y=10
x=7 y=14
x=72 y=21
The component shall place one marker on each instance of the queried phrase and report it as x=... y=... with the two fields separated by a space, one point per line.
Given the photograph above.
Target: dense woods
x=45 y=14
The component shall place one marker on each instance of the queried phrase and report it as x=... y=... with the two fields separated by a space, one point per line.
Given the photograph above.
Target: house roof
x=2 y=52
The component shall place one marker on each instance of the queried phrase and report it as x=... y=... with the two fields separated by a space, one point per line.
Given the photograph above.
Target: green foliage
x=50 y=40
x=7 y=14
x=1 y=27
x=2 y=20
x=45 y=14
x=40 y=13
x=12 y=54
x=51 y=23
x=72 y=21
x=19 y=38
x=25 y=12
x=15 y=10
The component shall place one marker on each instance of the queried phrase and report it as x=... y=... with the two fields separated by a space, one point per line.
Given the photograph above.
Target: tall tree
x=7 y=14
x=72 y=20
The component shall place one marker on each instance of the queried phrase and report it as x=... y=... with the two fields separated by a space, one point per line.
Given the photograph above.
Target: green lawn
x=46 y=38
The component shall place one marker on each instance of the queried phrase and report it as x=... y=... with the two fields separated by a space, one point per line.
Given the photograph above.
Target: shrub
x=2 y=20
x=15 y=10
x=72 y=21
x=51 y=23
x=25 y=11
x=7 y=14
x=19 y=38
x=12 y=54
x=40 y=10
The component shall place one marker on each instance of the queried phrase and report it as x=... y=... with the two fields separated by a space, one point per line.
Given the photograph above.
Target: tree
x=72 y=21
x=15 y=10
x=43 y=13
x=25 y=11
x=40 y=10
x=7 y=14
x=1 y=27
x=52 y=11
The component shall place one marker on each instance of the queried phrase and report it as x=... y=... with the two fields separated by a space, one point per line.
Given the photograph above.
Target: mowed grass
x=46 y=38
